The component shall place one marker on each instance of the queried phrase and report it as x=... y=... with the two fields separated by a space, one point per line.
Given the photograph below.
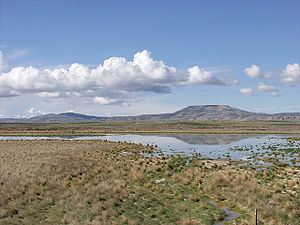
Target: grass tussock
x=100 y=182
x=274 y=193
x=92 y=182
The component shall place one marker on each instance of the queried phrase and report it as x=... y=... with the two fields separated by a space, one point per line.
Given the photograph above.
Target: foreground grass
x=92 y=182
x=99 y=182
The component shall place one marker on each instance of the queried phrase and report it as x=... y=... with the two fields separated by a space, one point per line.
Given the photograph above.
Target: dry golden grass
x=89 y=182
x=99 y=182
x=58 y=180
x=268 y=191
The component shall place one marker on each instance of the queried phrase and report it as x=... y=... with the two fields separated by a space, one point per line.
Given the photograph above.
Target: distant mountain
x=67 y=117
x=197 y=113
x=62 y=117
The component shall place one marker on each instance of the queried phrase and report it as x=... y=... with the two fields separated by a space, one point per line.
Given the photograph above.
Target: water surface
x=216 y=146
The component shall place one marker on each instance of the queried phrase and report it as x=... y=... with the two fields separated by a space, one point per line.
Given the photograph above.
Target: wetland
x=162 y=178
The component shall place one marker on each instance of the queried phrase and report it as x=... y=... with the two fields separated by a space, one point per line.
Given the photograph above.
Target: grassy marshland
x=99 y=182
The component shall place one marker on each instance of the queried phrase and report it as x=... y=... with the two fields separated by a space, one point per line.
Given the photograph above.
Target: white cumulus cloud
x=112 y=82
x=291 y=74
x=247 y=91
x=104 y=101
x=254 y=71
x=197 y=75
x=267 y=88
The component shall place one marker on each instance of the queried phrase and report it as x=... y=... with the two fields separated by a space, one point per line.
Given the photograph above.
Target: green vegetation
x=244 y=148
x=275 y=154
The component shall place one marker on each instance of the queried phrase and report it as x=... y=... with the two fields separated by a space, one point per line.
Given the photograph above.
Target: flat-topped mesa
x=215 y=112
x=212 y=108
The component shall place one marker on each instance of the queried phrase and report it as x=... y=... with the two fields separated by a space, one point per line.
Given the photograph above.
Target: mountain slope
x=200 y=112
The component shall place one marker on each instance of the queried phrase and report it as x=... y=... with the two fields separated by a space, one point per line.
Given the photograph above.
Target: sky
x=131 y=57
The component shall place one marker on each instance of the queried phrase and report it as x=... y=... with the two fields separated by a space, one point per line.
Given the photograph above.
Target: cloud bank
x=115 y=81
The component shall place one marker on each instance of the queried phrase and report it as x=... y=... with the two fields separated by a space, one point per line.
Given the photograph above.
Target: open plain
x=201 y=127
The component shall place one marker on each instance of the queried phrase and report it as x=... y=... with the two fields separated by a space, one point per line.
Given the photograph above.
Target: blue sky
x=220 y=38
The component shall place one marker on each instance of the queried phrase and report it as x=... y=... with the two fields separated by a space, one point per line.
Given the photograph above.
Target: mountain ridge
x=190 y=113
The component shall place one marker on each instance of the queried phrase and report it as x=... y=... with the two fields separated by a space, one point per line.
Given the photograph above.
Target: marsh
x=94 y=182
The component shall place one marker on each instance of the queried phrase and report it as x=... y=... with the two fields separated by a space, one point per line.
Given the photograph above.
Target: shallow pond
x=216 y=146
